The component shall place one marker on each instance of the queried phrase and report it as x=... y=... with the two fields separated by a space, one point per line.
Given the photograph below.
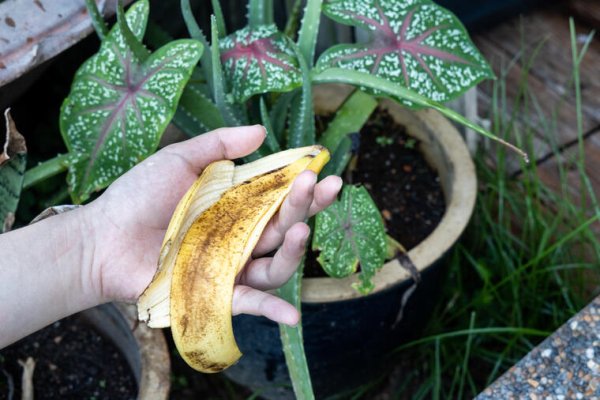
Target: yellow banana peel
x=210 y=237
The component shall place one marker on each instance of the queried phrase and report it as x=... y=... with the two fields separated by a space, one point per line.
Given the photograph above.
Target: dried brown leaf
x=14 y=142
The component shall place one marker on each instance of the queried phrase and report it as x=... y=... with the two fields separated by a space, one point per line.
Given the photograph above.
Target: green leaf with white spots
x=350 y=233
x=414 y=43
x=119 y=106
x=13 y=158
x=259 y=60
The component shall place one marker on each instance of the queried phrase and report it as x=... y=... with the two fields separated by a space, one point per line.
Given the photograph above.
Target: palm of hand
x=137 y=209
x=131 y=218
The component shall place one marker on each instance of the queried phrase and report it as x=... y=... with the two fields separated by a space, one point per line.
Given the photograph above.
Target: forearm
x=46 y=273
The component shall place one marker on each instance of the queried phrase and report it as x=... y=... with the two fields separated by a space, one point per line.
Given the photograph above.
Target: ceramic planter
x=144 y=349
x=349 y=337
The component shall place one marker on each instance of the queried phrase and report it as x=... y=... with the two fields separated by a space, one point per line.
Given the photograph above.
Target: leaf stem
x=362 y=79
x=45 y=170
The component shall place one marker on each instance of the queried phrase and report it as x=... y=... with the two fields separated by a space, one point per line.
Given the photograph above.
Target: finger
x=324 y=193
x=294 y=209
x=270 y=273
x=247 y=300
x=220 y=144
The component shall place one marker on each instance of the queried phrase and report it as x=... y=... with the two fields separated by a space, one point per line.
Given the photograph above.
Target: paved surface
x=564 y=366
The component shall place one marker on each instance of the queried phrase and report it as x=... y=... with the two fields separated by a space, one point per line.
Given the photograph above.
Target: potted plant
x=419 y=56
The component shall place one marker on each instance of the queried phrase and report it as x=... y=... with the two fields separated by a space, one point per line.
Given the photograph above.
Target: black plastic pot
x=349 y=338
x=347 y=342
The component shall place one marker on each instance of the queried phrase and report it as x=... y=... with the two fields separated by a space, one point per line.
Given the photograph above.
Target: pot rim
x=460 y=195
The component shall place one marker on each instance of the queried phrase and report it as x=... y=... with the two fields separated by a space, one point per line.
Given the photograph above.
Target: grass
x=529 y=260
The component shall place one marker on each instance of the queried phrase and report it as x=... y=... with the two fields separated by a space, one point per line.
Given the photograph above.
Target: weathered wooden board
x=32 y=32
x=588 y=11
x=549 y=82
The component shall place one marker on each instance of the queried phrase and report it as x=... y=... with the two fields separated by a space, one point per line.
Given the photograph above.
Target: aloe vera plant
x=418 y=54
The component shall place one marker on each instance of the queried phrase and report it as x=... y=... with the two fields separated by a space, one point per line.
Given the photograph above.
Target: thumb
x=220 y=144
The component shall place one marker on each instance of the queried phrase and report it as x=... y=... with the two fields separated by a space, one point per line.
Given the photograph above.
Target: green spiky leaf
x=13 y=158
x=414 y=43
x=119 y=106
x=350 y=233
x=259 y=60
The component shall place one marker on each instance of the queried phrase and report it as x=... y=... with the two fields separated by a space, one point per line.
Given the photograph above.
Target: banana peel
x=210 y=237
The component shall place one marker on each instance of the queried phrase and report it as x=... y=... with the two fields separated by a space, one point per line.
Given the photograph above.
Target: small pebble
x=547 y=353
x=589 y=353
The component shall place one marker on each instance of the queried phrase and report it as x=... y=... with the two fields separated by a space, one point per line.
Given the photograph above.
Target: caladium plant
x=351 y=232
x=415 y=44
x=259 y=60
x=123 y=97
x=121 y=101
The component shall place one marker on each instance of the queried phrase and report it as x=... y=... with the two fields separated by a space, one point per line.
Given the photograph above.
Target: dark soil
x=405 y=188
x=72 y=361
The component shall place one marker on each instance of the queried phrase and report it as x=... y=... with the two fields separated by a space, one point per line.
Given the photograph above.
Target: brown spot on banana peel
x=212 y=253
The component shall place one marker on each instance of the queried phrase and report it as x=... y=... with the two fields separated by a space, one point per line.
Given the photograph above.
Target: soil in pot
x=405 y=188
x=72 y=361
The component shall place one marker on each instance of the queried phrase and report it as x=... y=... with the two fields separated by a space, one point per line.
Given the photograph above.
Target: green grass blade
x=465 y=364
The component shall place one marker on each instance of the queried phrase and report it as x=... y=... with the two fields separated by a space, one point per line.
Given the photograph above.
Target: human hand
x=131 y=218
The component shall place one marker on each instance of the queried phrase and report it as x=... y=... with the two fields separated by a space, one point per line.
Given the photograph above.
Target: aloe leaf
x=309 y=30
x=259 y=60
x=131 y=41
x=13 y=159
x=217 y=78
x=366 y=80
x=270 y=141
x=260 y=12
x=219 y=19
x=349 y=118
x=302 y=116
x=416 y=44
x=119 y=106
x=350 y=233
x=196 y=33
x=196 y=113
x=279 y=114
x=293 y=21
x=97 y=19
x=293 y=341
x=340 y=158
